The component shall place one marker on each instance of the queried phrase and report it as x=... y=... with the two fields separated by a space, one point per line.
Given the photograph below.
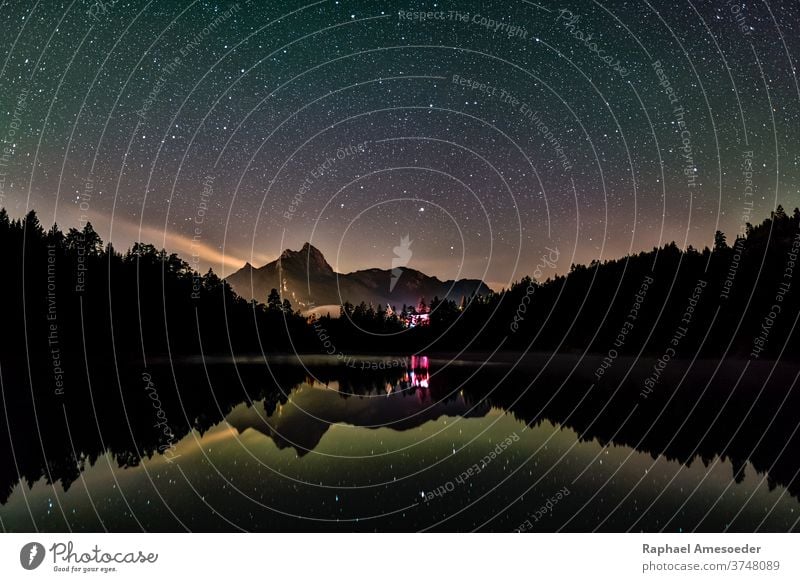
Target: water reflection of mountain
x=742 y=414
x=311 y=409
x=119 y=412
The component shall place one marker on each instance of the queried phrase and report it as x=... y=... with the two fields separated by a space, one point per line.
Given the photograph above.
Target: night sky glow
x=486 y=131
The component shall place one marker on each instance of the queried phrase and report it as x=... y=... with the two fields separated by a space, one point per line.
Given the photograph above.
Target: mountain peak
x=308 y=255
x=311 y=249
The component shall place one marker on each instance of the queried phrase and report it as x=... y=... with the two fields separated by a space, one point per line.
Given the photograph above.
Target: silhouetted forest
x=66 y=295
x=738 y=298
x=86 y=330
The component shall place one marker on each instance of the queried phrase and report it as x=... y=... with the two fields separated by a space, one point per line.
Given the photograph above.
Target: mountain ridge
x=307 y=279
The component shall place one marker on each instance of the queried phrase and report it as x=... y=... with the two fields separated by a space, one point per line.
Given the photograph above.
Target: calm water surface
x=366 y=452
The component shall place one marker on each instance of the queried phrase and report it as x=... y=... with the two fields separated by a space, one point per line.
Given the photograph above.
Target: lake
x=406 y=444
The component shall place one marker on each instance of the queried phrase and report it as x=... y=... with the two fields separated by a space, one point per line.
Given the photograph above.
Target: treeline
x=740 y=298
x=68 y=294
x=672 y=302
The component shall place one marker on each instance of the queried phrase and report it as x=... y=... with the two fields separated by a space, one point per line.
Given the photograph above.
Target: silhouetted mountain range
x=307 y=280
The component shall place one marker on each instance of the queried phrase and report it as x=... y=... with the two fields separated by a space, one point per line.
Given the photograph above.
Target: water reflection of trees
x=678 y=422
x=115 y=412
x=695 y=419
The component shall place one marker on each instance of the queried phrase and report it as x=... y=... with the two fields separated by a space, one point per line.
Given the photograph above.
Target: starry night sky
x=229 y=131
